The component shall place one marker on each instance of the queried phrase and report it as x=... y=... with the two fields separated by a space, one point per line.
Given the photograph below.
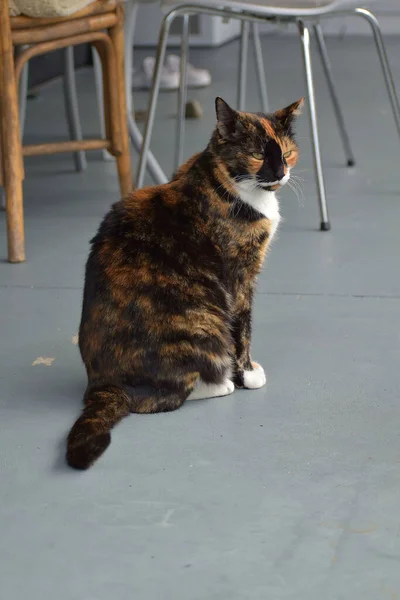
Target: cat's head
x=258 y=150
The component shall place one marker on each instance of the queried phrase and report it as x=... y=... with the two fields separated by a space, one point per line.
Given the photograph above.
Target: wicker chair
x=100 y=24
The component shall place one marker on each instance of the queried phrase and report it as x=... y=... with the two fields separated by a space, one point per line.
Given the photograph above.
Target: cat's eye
x=287 y=154
x=258 y=155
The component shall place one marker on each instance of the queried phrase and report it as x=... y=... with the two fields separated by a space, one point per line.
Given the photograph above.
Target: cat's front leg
x=254 y=378
x=247 y=373
x=251 y=375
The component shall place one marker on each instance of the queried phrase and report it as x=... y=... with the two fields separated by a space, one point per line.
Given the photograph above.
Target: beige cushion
x=46 y=8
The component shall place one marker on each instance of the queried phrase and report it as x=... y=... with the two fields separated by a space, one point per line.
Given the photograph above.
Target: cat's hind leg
x=165 y=395
x=171 y=395
x=211 y=390
x=215 y=377
x=197 y=367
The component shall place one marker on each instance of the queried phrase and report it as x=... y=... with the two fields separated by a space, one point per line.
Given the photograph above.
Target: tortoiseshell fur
x=170 y=280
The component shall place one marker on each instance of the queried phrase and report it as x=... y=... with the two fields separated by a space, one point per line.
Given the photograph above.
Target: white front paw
x=254 y=379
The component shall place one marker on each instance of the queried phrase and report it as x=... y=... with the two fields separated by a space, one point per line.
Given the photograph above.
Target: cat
x=170 y=279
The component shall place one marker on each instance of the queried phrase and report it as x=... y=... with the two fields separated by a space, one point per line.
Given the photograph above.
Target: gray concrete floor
x=288 y=492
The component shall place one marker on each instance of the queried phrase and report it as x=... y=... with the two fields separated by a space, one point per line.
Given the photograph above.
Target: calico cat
x=170 y=278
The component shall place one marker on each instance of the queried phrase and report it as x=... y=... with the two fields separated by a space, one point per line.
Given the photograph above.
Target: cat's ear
x=227 y=119
x=287 y=115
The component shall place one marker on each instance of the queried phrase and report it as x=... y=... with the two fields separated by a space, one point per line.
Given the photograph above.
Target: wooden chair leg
x=124 y=159
x=12 y=161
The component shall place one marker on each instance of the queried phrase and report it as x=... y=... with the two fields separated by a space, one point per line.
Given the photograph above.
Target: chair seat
x=279 y=8
x=97 y=7
x=47 y=8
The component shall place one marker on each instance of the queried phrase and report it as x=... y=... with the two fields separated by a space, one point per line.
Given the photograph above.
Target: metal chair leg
x=243 y=52
x=161 y=48
x=131 y=12
x=319 y=36
x=260 y=69
x=98 y=79
x=22 y=96
x=387 y=73
x=305 y=40
x=22 y=92
x=154 y=169
x=71 y=106
x=182 y=93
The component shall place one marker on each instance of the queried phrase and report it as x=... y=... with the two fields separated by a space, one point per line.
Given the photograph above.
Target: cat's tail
x=90 y=436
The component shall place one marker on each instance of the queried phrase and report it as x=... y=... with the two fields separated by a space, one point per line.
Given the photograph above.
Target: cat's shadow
x=60 y=463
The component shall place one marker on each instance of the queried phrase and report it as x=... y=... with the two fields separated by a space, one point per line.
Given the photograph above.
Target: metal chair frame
x=305 y=25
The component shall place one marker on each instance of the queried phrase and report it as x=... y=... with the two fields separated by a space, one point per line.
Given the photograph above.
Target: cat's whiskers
x=225 y=192
x=295 y=187
x=297 y=178
x=298 y=182
x=235 y=205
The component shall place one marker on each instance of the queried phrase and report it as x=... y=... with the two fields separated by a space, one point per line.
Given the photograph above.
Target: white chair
x=302 y=13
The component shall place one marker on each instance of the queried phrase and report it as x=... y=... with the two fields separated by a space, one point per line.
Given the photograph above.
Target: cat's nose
x=279 y=173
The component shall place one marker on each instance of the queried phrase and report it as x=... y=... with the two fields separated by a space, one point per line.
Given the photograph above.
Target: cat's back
x=151 y=250
x=140 y=210
x=146 y=220
x=155 y=228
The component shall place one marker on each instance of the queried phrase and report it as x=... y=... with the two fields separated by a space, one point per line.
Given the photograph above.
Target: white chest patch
x=265 y=202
